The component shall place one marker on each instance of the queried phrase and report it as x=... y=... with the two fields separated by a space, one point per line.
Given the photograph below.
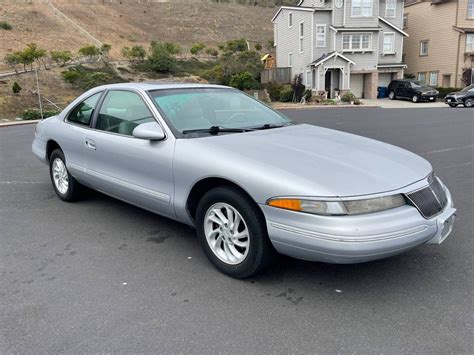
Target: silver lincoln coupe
x=250 y=181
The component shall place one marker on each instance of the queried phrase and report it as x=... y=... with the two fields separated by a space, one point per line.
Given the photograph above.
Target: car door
x=78 y=122
x=135 y=170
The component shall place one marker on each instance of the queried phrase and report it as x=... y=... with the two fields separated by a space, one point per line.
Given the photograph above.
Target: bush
x=212 y=52
x=87 y=78
x=134 y=54
x=90 y=51
x=5 y=26
x=197 y=48
x=160 y=60
x=348 y=97
x=35 y=114
x=274 y=91
x=444 y=91
x=258 y=47
x=244 y=81
x=16 y=88
x=286 y=94
x=309 y=94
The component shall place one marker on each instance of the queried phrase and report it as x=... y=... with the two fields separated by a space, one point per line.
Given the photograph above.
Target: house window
x=434 y=78
x=290 y=20
x=301 y=36
x=290 y=59
x=469 y=42
x=424 y=48
x=356 y=42
x=470 y=9
x=422 y=78
x=362 y=8
x=388 y=43
x=321 y=36
x=405 y=21
x=391 y=8
x=308 y=78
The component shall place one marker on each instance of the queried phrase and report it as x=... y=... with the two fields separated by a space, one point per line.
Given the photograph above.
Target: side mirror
x=151 y=131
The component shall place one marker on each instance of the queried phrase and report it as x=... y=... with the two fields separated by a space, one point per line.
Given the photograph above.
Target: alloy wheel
x=60 y=176
x=226 y=233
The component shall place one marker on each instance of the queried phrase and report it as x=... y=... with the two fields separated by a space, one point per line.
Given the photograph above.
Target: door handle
x=90 y=144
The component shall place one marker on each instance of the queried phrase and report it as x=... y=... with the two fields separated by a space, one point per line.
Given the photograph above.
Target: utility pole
x=39 y=94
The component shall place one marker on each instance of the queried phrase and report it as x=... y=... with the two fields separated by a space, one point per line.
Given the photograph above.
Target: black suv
x=412 y=90
x=464 y=97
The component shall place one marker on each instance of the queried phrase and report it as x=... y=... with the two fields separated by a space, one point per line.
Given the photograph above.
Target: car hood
x=457 y=93
x=321 y=161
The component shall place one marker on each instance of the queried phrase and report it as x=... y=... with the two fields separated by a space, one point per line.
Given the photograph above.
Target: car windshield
x=188 y=110
x=468 y=88
x=415 y=84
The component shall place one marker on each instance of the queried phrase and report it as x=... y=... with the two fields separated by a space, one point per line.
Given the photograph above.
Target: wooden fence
x=276 y=75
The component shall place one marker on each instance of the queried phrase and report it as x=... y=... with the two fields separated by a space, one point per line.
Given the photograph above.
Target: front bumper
x=431 y=98
x=453 y=100
x=355 y=239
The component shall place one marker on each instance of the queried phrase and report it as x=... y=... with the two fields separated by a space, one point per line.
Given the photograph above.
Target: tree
x=197 y=48
x=90 y=51
x=160 y=59
x=61 y=57
x=12 y=60
x=34 y=53
x=16 y=88
x=134 y=54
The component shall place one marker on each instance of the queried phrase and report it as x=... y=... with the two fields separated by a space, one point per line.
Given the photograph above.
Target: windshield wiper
x=216 y=130
x=269 y=126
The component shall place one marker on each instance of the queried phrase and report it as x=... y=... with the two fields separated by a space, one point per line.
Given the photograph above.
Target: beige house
x=440 y=48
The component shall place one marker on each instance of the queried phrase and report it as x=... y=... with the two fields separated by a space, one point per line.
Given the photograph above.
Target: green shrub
x=5 y=26
x=309 y=94
x=212 y=52
x=444 y=91
x=160 y=60
x=134 y=54
x=274 y=91
x=258 y=47
x=286 y=94
x=197 y=48
x=16 y=88
x=87 y=78
x=244 y=81
x=348 y=97
x=35 y=114
x=89 y=51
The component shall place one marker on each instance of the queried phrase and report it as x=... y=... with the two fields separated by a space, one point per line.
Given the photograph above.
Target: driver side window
x=121 y=112
x=82 y=113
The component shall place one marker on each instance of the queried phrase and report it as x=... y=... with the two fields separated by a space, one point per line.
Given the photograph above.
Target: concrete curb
x=309 y=107
x=17 y=123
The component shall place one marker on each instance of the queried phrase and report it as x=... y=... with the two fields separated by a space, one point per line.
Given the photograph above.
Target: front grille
x=429 y=200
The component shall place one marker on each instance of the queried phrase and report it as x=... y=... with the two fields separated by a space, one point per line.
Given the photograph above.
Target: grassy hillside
x=127 y=23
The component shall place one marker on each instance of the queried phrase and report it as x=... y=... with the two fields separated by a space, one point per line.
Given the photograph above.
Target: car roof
x=150 y=86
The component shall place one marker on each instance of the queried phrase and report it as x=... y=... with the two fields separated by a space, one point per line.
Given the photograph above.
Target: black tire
x=74 y=188
x=391 y=95
x=415 y=98
x=453 y=105
x=260 y=252
x=469 y=103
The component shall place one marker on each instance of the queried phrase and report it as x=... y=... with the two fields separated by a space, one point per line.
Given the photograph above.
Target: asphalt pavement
x=102 y=276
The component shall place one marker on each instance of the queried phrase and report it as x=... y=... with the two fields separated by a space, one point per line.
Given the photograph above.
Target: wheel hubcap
x=226 y=233
x=60 y=176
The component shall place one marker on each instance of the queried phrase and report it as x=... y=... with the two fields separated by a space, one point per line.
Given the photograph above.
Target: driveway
x=387 y=103
x=104 y=276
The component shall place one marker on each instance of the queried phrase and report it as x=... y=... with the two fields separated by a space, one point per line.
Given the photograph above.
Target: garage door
x=357 y=84
x=385 y=79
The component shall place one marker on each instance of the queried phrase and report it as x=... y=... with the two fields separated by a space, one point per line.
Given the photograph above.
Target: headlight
x=338 y=208
x=424 y=93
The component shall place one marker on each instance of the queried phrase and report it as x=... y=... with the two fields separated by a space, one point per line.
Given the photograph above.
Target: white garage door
x=385 y=79
x=357 y=84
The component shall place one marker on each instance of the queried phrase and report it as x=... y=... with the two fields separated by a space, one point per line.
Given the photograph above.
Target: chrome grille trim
x=429 y=200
